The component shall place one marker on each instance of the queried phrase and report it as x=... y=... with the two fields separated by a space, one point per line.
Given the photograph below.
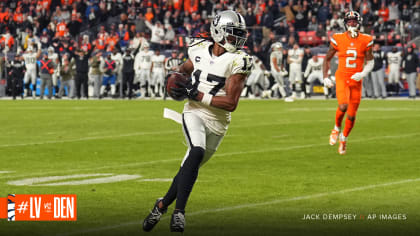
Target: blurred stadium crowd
x=123 y=48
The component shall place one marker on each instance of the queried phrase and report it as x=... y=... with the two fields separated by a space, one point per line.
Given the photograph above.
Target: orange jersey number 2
x=351 y=58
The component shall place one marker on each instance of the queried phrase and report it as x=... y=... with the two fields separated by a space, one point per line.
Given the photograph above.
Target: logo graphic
x=11 y=207
x=39 y=207
x=216 y=20
x=197 y=59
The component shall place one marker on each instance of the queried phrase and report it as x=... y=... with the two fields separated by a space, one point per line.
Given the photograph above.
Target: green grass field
x=274 y=166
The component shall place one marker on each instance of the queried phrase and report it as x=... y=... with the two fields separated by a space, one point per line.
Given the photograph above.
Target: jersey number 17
x=210 y=78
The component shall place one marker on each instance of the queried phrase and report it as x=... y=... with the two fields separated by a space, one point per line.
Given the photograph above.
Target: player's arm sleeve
x=149 y=25
x=370 y=63
x=167 y=67
x=242 y=65
x=333 y=42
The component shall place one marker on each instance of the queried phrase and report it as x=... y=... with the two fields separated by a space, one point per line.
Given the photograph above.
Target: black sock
x=187 y=176
x=171 y=194
x=259 y=86
x=249 y=90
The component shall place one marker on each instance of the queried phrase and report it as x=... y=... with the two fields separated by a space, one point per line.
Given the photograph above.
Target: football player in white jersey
x=53 y=56
x=143 y=66
x=277 y=68
x=295 y=56
x=256 y=79
x=394 y=59
x=313 y=72
x=117 y=57
x=219 y=70
x=30 y=57
x=158 y=72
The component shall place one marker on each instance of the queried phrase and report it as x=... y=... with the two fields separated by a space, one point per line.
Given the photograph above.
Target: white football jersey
x=257 y=63
x=295 y=57
x=158 y=62
x=30 y=60
x=209 y=76
x=394 y=59
x=313 y=66
x=279 y=60
x=144 y=59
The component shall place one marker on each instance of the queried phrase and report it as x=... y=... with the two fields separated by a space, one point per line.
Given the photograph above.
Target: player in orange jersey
x=353 y=49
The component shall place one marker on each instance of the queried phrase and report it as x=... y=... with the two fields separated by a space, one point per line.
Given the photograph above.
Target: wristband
x=207 y=99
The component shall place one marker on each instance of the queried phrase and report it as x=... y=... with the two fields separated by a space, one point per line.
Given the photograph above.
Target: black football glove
x=186 y=90
x=176 y=96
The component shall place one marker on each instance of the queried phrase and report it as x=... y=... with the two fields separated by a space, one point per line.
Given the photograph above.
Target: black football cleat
x=153 y=218
x=177 y=222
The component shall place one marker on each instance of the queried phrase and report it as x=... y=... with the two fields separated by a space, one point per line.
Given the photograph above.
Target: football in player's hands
x=174 y=82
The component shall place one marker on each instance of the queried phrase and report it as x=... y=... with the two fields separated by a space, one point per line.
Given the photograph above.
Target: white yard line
x=313 y=145
x=156 y=180
x=88 y=169
x=90 y=138
x=279 y=122
x=216 y=155
x=242 y=206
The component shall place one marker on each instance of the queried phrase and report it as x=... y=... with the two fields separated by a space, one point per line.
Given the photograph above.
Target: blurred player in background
x=158 y=72
x=219 y=70
x=117 y=57
x=352 y=48
x=143 y=66
x=313 y=72
x=394 y=62
x=255 y=81
x=295 y=56
x=277 y=68
x=30 y=57
x=54 y=57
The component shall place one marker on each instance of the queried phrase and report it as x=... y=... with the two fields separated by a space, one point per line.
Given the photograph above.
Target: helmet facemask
x=234 y=38
x=353 y=16
x=354 y=30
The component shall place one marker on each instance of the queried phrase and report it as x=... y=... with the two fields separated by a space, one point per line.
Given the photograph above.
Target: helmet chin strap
x=227 y=46
x=353 y=31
